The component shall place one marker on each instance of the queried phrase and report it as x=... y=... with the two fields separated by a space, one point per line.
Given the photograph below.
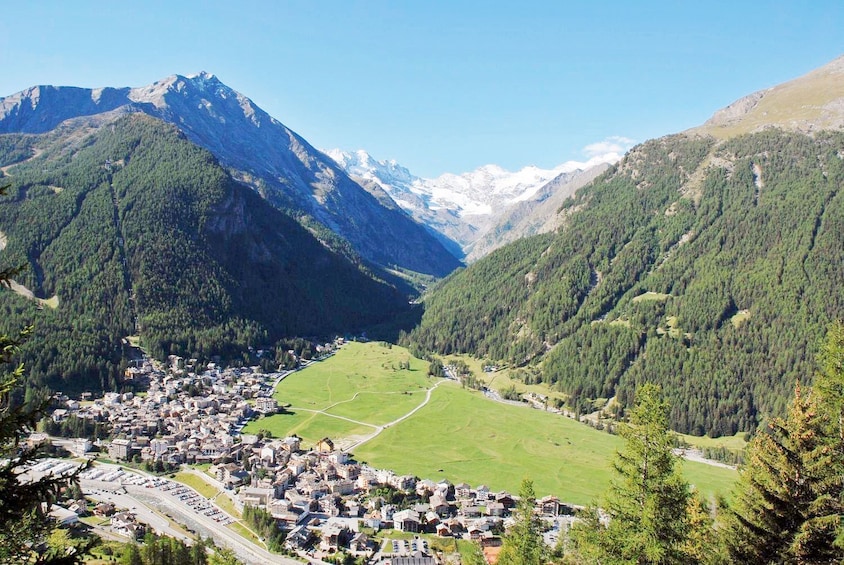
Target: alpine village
x=221 y=345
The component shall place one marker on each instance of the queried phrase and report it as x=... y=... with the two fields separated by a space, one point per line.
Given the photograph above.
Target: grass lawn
x=95 y=520
x=197 y=484
x=481 y=442
x=309 y=426
x=733 y=443
x=226 y=505
x=245 y=532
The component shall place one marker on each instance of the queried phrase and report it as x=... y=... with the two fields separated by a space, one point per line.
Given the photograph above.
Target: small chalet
x=325 y=445
x=407 y=521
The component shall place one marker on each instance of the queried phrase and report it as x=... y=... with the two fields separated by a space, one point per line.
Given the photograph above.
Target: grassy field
x=481 y=442
x=459 y=435
x=652 y=296
x=197 y=484
x=361 y=382
x=309 y=426
x=358 y=378
x=735 y=443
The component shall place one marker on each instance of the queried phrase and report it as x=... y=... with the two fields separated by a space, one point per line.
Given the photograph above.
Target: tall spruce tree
x=822 y=535
x=644 y=515
x=788 y=502
x=773 y=493
x=523 y=543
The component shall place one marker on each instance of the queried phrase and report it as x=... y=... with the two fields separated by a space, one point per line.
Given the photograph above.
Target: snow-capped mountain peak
x=462 y=206
x=476 y=193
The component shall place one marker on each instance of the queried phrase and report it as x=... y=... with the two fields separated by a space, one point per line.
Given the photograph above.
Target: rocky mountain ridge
x=478 y=210
x=810 y=103
x=258 y=149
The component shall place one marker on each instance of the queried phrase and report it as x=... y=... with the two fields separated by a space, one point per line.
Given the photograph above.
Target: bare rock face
x=258 y=149
x=736 y=111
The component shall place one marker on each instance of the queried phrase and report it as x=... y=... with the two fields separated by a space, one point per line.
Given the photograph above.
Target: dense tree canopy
x=135 y=230
x=709 y=268
x=27 y=534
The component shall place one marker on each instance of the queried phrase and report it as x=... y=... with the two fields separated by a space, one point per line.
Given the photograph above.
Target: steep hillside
x=260 y=151
x=709 y=267
x=126 y=226
x=809 y=103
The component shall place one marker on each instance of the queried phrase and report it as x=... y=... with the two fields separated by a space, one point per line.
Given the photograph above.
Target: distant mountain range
x=183 y=214
x=479 y=210
x=709 y=262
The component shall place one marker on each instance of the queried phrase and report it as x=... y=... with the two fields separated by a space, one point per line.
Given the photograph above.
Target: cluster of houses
x=124 y=522
x=184 y=417
x=325 y=501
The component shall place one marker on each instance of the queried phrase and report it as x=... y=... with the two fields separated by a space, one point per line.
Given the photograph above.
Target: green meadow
x=459 y=435
x=360 y=387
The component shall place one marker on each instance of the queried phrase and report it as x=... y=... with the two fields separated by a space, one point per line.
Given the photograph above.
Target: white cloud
x=609 y=151
x=616 y=145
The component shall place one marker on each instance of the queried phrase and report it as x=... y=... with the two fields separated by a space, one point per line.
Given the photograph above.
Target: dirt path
x=697 y=456
x=355 y=441
x=36 y=152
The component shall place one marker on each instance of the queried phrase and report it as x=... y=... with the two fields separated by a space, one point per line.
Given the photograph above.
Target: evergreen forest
x=125 y=228
x=709 y=268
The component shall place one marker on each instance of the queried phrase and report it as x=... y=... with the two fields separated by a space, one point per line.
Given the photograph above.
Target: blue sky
x=439 y=86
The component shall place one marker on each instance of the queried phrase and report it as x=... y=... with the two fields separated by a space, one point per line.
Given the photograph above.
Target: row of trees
x=787 y=506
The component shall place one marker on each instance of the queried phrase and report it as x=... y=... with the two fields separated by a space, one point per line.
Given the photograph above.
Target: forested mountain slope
x=126 y=226
x=260 y=151
x=709 y=267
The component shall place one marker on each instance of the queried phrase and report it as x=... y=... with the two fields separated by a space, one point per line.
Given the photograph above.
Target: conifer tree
x=644 y=516
x=523 y=543
x=788 y=503
x=822 y=534
x=773 y=493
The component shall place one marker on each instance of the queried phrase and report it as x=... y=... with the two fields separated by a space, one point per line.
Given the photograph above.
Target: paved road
x=142 y=500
